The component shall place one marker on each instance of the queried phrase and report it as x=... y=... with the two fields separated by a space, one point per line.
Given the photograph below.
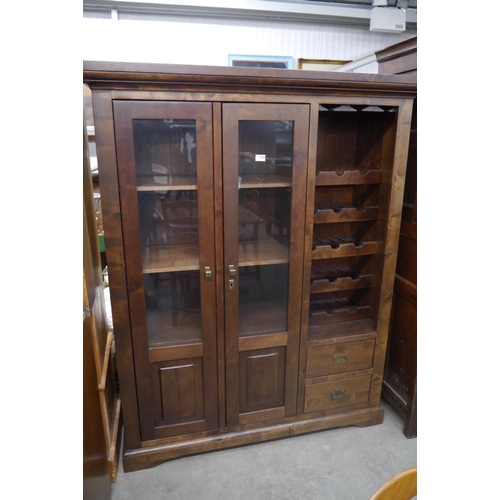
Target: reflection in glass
x=264 y=199
x=165 y=159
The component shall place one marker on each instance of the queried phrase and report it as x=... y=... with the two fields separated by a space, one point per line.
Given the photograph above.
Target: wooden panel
x=407 y=259
x=96 y=480
x=251 y=342
x=175 y=352
x=336 y=394
x=402 y=65
x=401 y=368
x=398 y=151
x=338 y=358
x=102 y=336
x=262 y=379
x=177 y=391
x=398 y=58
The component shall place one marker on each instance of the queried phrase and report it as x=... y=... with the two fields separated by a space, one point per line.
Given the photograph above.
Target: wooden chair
x=402 y=486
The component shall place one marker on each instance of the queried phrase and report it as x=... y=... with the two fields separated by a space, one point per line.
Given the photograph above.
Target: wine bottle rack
x=347 y=233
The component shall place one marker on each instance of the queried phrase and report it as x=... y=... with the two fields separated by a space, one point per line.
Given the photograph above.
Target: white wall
x=162 y=38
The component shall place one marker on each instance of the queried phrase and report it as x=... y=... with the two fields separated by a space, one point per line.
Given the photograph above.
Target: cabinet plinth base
x=151 y=456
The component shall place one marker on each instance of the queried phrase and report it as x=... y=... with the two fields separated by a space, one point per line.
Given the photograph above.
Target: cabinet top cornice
x=145 y=76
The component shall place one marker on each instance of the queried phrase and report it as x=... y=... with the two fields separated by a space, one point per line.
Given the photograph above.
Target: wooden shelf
x=266 y=181
x=262 y=252
x=325 y=178
x=325 y=285
x=168 y=258
x=347 y=249
x=175 y=184
x=345 y=214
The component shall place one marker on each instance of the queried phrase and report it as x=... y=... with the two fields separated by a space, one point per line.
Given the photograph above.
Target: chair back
x=181 y=220
x=402 y=486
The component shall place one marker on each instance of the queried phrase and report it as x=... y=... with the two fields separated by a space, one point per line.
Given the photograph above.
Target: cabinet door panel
x=178 y=392
x=262 y=379
x=264 y=171
x=165 y=166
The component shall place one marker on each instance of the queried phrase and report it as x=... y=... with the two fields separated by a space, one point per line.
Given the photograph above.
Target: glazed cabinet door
x=165 y=168
x=264 y=173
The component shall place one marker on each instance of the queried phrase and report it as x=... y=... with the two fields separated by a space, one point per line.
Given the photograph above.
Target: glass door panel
x=167 y=198
x=264 y=176
x=164 y=154
x=264 y=194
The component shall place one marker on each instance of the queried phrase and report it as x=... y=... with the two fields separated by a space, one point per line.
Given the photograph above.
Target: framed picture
x=320 y=64
x=276 y=62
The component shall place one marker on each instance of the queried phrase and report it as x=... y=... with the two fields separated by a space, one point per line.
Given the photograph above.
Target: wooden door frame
x=231 y=113
x=124 y=112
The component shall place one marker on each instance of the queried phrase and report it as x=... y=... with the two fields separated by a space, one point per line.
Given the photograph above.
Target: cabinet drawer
x=339 y=358
x=336 y=394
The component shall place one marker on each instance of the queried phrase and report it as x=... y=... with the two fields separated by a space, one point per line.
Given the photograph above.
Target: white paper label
x=260 y=157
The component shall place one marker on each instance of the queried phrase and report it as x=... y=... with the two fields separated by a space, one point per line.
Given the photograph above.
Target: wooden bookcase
x=251 y=220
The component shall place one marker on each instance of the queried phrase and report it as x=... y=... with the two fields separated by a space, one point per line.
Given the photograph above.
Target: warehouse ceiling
x=350 y=12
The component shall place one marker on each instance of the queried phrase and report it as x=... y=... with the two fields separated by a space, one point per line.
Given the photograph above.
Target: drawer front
x=337 y=393
x=339 y=358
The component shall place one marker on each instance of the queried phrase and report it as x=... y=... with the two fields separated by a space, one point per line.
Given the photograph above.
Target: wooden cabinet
x=251 y=221
x=101 y=400
x=400 y=376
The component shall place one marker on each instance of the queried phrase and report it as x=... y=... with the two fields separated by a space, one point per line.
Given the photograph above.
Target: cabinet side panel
x=110 y=199
x=395 y=204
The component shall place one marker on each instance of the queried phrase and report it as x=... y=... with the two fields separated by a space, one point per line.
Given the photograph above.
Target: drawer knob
x=337 y=394
x=340 y=358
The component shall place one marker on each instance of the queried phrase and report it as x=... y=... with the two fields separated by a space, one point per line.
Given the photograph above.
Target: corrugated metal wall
x=201 y=40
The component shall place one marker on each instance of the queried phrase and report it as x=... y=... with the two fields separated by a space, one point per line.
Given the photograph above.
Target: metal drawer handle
x=340 y=358
x=337 y=394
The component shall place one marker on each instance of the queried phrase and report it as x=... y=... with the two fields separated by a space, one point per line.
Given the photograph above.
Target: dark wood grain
x=400 y=378
x=248 y=379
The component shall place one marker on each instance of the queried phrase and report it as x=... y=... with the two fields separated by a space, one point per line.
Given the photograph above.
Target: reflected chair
x=181 y=221
x=402 y=486
x=181 y=228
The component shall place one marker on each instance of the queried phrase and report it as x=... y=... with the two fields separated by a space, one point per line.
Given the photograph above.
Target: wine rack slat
x=341 y=283
x=326 y=251
x=345 y=214
x=343 y=314
x=326 y=178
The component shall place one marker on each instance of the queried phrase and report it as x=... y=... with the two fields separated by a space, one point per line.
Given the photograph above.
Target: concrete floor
x=338 y=464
